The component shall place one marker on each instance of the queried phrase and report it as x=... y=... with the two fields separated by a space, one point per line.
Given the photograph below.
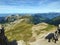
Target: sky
x=29 y=6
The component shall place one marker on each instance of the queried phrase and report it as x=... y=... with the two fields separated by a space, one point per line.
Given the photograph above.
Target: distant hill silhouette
x=33 y=18
x=55 y=20
x=38 y=19
x=48 y=15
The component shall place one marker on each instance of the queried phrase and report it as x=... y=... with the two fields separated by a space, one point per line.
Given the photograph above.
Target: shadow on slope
x=4 y=40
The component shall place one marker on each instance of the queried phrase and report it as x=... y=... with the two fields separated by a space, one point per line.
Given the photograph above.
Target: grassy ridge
x=21 y=31
x=49 y=27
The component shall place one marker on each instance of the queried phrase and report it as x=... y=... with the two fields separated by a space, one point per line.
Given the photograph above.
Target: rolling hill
x=23 y=28
x=55 y=20
x=27 y=28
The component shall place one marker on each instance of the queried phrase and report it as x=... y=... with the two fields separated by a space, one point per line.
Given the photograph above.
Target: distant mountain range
x=53 y=18
x=48 y=15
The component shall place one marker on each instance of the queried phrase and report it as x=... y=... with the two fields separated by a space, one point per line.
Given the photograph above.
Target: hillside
x=28 y=32
x=38 y=19
x=48 y=15
x=31 y=19
x=55 y=20
x=35 y=18
x=28 y=28
x=19 y=30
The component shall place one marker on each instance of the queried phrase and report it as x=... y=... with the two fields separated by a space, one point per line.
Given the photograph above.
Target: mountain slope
x=48 y=15
x=19 y=31
x=38 y=19
x=23 y=30
x=55 y=20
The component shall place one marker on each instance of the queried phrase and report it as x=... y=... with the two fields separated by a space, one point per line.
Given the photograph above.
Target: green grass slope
x=20 y=31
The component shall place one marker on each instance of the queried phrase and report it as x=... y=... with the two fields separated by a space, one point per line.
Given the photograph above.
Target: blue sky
x=29 y=6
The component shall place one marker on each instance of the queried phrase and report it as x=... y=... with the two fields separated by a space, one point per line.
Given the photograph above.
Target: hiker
x=55 y=36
